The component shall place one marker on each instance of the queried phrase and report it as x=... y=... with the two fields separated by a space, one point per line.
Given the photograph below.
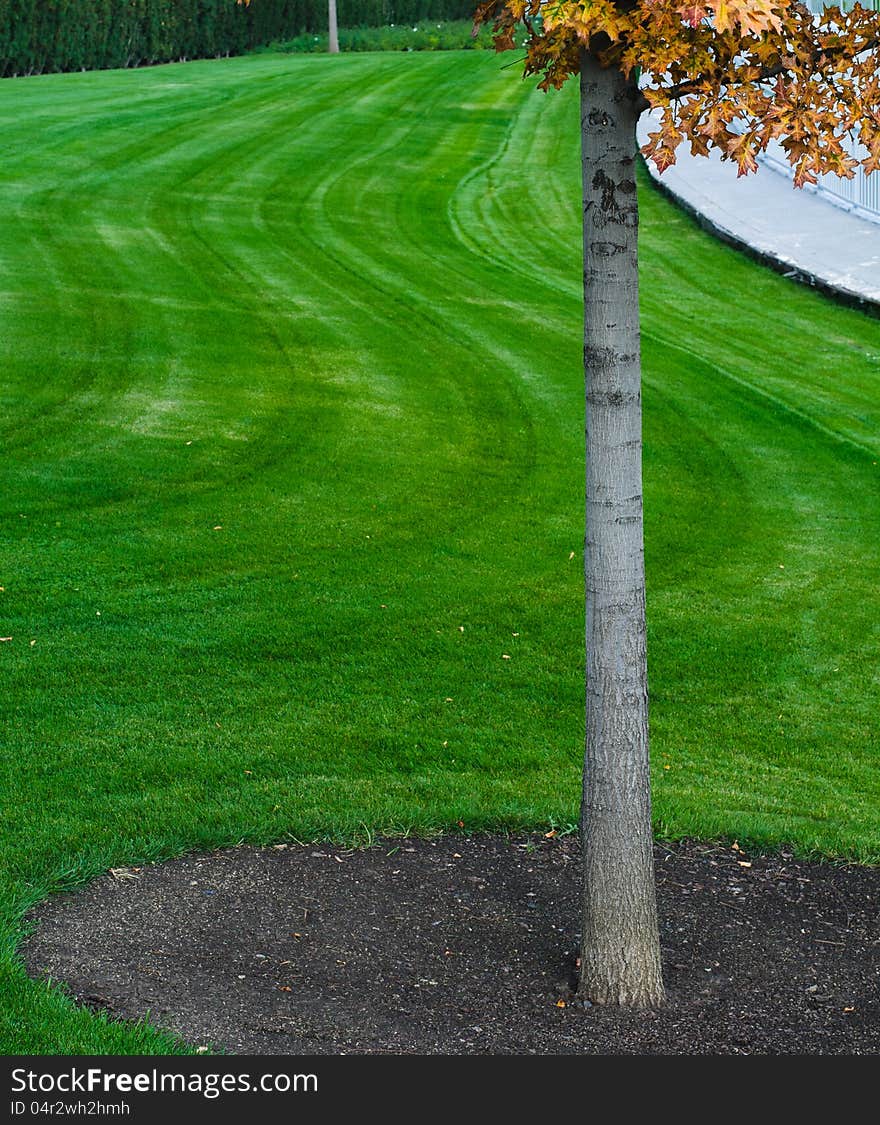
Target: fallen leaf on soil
x=122 y=873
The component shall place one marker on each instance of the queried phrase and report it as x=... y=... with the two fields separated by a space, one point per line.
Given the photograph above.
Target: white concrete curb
x=796 y=232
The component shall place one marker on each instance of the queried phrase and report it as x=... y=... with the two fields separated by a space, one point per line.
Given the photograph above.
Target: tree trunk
x=620 y=950
x=333 y=46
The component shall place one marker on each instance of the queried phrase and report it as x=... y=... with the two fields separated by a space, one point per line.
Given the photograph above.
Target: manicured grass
x=292 y=485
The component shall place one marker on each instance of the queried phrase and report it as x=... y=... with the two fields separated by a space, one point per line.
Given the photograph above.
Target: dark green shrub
x=37 y=36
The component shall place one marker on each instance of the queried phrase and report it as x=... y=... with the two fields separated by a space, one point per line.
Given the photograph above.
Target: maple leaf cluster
x=730 y=75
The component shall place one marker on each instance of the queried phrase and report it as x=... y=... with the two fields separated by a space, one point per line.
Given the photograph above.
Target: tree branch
x=694 y=84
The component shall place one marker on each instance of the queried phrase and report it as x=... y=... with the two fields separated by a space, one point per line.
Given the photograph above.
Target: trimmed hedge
x=39 y=36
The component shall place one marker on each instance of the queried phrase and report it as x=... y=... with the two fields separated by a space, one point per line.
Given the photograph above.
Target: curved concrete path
x=795 y=231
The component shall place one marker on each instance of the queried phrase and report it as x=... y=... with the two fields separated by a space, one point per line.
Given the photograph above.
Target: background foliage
x=39 y=36
x=423 y=35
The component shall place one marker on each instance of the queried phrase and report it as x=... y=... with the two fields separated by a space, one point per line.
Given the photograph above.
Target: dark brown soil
x=467 y=945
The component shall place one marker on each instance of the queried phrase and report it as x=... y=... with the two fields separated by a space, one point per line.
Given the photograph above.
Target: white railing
x=861 y=194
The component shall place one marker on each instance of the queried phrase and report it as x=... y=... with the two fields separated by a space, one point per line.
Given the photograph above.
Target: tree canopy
x=730 y=75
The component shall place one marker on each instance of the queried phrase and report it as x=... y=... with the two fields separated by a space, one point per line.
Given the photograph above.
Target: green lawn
x=292 y=485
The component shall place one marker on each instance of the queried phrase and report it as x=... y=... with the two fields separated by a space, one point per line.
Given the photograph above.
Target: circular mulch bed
x=466 y=945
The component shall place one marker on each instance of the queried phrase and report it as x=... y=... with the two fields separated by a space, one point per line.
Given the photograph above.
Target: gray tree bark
x=333 y=42
x=620 y=950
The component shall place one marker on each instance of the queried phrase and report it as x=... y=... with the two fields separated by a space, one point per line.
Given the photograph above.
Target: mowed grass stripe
x=293 y=484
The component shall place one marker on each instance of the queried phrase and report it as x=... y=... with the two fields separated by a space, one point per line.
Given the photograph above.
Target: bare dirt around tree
x=467 y=945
